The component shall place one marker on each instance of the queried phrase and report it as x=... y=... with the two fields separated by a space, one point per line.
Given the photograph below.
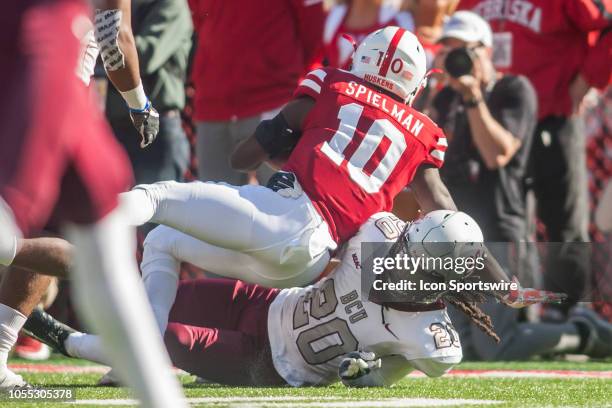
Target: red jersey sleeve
x=597 y=67
x=588 y=15
x=312 y=84
x=437 y=149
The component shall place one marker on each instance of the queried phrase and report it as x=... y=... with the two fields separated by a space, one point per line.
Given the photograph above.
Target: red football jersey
x=359 y=148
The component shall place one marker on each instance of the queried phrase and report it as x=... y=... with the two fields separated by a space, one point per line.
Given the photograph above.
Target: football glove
x=285 y=184
x=357 y=364
x=146 y=122
x=523 y=297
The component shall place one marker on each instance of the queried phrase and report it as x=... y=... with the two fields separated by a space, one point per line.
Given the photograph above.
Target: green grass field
x=412 y=391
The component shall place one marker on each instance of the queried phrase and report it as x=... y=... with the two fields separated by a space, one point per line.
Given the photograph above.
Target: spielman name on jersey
x=407 y=121
x=452 y=285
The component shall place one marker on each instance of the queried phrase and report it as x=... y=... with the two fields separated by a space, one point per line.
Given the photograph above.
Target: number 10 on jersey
x=371 y=163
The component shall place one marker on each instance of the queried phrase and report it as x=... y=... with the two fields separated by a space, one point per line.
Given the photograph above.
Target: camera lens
x=458 y=62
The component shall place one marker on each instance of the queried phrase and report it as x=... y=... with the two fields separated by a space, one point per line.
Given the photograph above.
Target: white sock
x=137 y=207
x=11 y=321
x=160 y=275
x=86 y=346
x=111 y=298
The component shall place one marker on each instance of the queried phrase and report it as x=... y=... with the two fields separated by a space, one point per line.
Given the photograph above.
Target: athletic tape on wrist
x=107 y=24
x=136 y=98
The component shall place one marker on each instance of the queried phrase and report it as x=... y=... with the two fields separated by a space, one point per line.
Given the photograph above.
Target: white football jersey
x=312 y=328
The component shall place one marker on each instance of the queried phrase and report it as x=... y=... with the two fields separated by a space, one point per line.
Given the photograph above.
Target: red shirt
x=338 y=50
x=545 y=40
x=359 y=148
x=249 y=58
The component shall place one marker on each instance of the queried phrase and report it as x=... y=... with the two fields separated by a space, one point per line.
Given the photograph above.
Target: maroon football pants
x=218 y=330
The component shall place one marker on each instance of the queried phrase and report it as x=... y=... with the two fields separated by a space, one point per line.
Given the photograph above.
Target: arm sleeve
x=437 y=149
x=312 y=84
x=597 y=67
x=513 y=104
x=588 y=15
x=310 y=18
x=165 y=29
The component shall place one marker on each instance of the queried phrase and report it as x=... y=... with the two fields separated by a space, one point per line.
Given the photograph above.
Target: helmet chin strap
x=413 y=95
x=350 y=39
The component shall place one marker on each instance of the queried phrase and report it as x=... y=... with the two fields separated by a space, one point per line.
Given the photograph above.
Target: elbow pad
x=275 y=136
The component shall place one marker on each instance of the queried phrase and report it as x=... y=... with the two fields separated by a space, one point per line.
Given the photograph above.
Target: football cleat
x=598 y=341
x=109 y=380
x=31 y=349
x=9 y=381
x=46 y=329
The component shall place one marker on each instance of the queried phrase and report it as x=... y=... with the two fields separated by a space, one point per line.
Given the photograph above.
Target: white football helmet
x=445 y=233
x=393 y=59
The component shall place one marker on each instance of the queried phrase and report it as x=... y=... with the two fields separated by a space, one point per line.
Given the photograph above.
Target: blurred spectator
x=547 y=41
x=429 y=16
x=603 y=216
x=358 y=18
x=162 y=30
x=248 y=61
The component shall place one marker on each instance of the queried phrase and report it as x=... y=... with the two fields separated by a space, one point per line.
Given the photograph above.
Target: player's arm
x=363 y=369
x=273 y=138
x=430 y=191
x=115 y=39
x=113 y=19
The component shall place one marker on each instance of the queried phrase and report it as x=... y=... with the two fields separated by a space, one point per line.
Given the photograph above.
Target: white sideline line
x=323 y=402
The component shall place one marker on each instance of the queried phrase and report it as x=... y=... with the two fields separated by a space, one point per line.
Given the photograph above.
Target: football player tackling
x=231 y=332
x=353 y=142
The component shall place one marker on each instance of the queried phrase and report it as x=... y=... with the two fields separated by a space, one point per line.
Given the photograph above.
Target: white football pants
x=252 y=233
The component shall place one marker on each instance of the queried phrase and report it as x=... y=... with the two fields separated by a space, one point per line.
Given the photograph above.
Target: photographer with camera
x=489 y=119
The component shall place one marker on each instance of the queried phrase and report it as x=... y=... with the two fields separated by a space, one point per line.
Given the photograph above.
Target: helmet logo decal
x=384 y=68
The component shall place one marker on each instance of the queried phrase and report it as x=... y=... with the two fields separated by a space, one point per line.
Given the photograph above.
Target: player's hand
x=357 y=364
x=285 y=184
x=523 y=297
x=146 y=122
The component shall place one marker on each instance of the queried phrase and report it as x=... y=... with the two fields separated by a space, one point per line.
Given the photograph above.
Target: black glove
x=281 y=180
x=146 y=122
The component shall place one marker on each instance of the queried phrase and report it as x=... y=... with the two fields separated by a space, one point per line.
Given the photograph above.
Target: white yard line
x=310 y=402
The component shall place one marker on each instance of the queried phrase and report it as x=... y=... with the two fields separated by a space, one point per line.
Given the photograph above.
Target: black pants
x=166 y=159
x=558 y=168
